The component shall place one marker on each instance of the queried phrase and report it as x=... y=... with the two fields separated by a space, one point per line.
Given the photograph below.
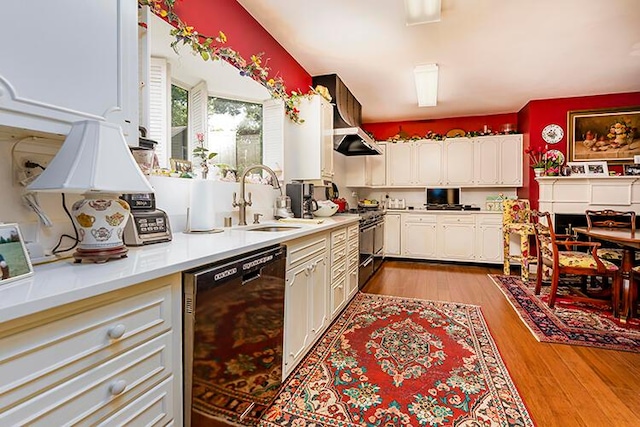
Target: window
x=235 y=132
x=179 y=122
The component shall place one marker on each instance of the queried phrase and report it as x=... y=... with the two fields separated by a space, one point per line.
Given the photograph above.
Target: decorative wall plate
x=552 y=134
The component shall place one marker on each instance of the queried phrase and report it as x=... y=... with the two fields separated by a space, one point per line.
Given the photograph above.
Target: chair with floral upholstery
x=557 y=251
x=516 y=219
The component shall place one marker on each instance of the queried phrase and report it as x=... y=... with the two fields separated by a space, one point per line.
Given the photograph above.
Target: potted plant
x=203 y=155
x=537 y=160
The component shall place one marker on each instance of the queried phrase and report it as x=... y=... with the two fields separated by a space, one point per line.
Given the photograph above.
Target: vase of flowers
x=203 y=155
x=537 y=160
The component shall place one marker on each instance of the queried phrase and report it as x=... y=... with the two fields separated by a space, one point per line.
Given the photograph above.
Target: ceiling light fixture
x=426 y=77
x=422 y=11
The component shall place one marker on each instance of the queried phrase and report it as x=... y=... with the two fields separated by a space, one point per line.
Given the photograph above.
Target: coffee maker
x=302 y=202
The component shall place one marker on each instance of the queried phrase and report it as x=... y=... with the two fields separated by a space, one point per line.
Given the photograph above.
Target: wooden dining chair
x=611 y=219
x=557 y=252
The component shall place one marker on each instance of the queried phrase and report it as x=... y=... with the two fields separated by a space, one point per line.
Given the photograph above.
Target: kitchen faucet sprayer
x=243 y=203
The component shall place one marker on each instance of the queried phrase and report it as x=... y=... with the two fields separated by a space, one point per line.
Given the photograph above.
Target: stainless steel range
x=371 y=243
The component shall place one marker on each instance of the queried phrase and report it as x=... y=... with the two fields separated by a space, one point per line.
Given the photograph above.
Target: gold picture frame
x=15 y=263
x=609 y=135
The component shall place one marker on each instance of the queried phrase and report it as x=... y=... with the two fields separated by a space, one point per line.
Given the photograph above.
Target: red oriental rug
x=569 y=322
x=389 y=361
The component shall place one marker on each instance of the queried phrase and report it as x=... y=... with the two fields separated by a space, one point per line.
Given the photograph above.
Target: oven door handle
x=367 y=262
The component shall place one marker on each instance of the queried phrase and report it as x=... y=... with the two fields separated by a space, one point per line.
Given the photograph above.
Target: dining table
x=629 y=241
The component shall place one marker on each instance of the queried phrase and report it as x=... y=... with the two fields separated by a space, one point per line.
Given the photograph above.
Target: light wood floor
x=561 y=385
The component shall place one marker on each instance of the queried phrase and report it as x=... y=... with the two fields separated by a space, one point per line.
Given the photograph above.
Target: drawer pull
x=117 y=387
x=117 y=331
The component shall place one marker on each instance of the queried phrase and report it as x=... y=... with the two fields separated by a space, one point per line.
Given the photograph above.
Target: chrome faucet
x=243 y=203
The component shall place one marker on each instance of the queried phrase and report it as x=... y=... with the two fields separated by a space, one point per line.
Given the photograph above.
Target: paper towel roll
x=201 y=206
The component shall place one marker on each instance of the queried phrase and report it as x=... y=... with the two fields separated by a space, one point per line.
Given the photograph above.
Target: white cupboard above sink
x=69 y=60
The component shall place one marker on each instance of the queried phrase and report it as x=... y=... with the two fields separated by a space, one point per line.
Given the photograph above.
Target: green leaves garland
x=214 y=49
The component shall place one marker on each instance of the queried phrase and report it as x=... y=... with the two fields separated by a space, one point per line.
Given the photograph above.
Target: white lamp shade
x=426 y=77
x=94 y=158
x=422 y=11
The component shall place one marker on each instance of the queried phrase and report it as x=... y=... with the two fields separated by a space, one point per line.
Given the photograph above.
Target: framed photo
x=14 y=258
x=577 y=168
x=609 y=135
x=632 y=169
x=179 y=165
x=597 y=168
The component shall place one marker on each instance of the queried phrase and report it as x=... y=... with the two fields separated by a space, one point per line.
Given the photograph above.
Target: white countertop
x=64 y=281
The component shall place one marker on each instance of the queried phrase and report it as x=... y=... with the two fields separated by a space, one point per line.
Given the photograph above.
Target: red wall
x=384 y=130
x=245 y=35
x=539 y=113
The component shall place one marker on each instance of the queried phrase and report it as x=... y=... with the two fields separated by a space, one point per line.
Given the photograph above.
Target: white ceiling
x=494 y=55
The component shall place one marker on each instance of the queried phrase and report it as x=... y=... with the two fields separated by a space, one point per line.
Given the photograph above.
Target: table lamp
x=95 y=160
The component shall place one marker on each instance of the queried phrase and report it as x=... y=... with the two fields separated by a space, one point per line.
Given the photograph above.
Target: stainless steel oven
x=233 y=317
x=371 y=244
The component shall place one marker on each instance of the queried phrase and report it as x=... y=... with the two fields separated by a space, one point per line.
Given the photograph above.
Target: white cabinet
x=400 y=164
x=489 y=238
x=419 y=236
x=306 y=297
x=498 y=160
x=392 y=234
x=458 y=162
x=86 y=69
x=96 y=361
x=376 y=168
x=353 y=259
x=309 y=145
x=417 y=163
x=456 y=237
x=338 y=270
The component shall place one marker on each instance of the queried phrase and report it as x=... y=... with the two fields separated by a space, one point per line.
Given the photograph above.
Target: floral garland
x=404 y=137
x=212 y=48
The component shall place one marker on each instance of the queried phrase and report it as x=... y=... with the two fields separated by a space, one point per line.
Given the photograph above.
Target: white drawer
x=352 y=261
x=94 y=394
x=428 y=219
x=301 y=250
x=489 y=219
x=457 y=219
x=338 y=252
x=338 y=269
x=154 y=408
x=57 y=351
x=339 y=236
x=353 y=233
x=353 y=245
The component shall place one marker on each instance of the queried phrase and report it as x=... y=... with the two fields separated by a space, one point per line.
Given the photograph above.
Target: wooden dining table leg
x=627 y=312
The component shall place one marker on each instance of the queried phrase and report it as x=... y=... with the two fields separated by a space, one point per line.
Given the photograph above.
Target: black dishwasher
x=233 y=334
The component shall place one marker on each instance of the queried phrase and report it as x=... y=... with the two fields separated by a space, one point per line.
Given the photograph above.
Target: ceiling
x=494 y=56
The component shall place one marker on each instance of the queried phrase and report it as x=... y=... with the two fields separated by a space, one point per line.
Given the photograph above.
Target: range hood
x=348 y=138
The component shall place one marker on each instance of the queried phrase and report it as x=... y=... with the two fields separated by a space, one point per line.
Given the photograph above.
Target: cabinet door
x=338 y=295
x=419 y=240
x=326 y=129
x=376 y=168
x=88 y=69
x=352 y=283
x=319 y=293
x=511 y=160
x=456 y=238
x=296 y=318
x=458 y=161
x=428 y=157
x=392 y=231
x=489 y=238
x=400 y=164
x=487 y=160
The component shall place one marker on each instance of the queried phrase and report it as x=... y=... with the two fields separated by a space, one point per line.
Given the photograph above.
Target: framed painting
x=632 y=169
x=14 y=258
x=609 y=135
x=179 y=165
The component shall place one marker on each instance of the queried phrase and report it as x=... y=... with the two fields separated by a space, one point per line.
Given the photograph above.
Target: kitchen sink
x=274 y=228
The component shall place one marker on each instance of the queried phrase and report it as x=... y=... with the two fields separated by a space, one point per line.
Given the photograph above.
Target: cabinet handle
x=117 y=387
x=117 y=331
